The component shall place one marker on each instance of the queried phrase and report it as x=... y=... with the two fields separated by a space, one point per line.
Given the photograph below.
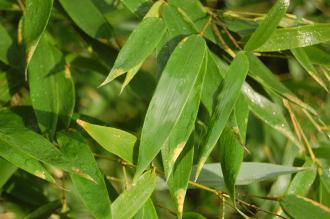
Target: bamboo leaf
x=294 y=37
x=45 y=210
x=130 y=201
x=138 y=47
x=6 y=171
x=227 y=98
x=268 y=25
x=250 y=172
x=300 y=208
x=25 y=162
x=231 y=157
x=303 y=59
x=5 y=44
x=94 y=193
x=35 y=20
x=147 y=211
x=170 y=98
x=302 y=181
x=114 y=140
x=138 y=7
x=193 y=215
x=241 y=112
x=179 y=178
x=89 y=18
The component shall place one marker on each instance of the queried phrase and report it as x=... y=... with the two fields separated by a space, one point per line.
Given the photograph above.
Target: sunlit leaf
x=147 y=211
x=114 y=140
x=241 y=112
x=226 y=100
x=138 y=7
x=130 y=201
x=170 y=98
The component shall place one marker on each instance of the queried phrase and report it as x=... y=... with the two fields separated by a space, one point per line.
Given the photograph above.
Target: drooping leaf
x=6 y=171
x=89 y=18
x=231 y=157
x=299 y=207
x=94 y=194
x=51 y=88
x=138 y=47
x=302 y=181
x=294 y=37
x=317 y=55
x=181 y=131
x=130 y=201
x=114 y=140
x=25 y=162
x=227 y=98
x=241 y=112
x=303 y=59
x=147 y=211
x=268 y=25
x=250 y=172
x=265 y=77
x=35 y=20
x=268 y=112
x=179 y=178
x=170 y=98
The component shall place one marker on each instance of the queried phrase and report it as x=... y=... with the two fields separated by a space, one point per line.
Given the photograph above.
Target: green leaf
x=51 y=88
x=193 y=215
x=241 y=113
x=301 y=208
x=179 y=178
x=268 y=112
x=6 y=171
x=130 y=201
x=317 y=55
x=322 y=152
x=138 y=7
x=302 y=181
x=302 y=57
x=138 y=47
x=265 y=77
x=35 y=20
x=5 y=44
x=175 y=86
x=294 y=37
x=45 y=210
x=268 y=25
x=250 y=172
x=8 y=5
x=231 y=157
x=227 y=98
x=94 y=193
x=181 y=131
x=37 y=147
x=89 y=18
x=147 y=211
x=114 y=140
x=25 y=162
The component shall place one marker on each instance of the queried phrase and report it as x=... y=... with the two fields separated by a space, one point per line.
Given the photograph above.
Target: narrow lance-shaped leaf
x=232 y=84
x=5 y=44
x=35 y=19
x=170 y=98
x=6 y=171
x=51 y=88
x=241 y=114
x=138 y=47
x=180 y=133
x=93 y=194
x=130 y=201
x=114 y=140
x=231 y=157
x=299 y=207
x=24 y=161
x=147 y=211
x=302 y=181
x=179 y=178
x=294 y=37
x=268 y=25
x=302 y=57
x=89 y=18
x=250 y=172
x=268 y=112
x=45 y=210
x=138 y=7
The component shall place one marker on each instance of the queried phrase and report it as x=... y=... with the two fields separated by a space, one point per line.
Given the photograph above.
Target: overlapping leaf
x=170 y=98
